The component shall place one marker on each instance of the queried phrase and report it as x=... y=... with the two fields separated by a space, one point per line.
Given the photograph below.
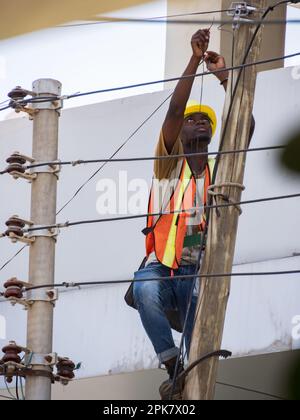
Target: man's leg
x=187 y=290
x=152 y=299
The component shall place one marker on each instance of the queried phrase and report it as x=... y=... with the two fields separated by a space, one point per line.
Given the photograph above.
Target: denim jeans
x=152 y=298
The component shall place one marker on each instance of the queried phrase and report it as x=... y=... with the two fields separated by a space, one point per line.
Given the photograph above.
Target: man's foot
x=168 y=389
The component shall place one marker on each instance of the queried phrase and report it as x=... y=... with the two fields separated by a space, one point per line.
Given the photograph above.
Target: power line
x=4 y=102
x=97 y=171
x=105 y=19
x=12 y=258
x=162 y=279
x=174 y=79
x=233 y=95
x=251 y=390
x=139 y=216
x=7 y=398
x=114 y=154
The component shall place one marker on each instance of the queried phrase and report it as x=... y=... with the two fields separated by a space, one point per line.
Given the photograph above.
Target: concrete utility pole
x=208 y=332
x=42 y=251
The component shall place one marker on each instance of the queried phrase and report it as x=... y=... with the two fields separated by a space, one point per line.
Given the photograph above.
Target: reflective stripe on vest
x=166 y=235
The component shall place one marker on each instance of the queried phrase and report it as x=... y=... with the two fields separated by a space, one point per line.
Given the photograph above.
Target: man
x=173 y=240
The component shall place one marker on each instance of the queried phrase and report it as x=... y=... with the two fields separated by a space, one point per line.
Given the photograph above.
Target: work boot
x=166 y=387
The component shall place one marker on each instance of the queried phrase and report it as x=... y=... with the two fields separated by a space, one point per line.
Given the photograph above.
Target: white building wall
x=94 y=325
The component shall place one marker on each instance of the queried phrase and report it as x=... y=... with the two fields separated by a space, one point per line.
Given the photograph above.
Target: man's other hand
x=215 y=61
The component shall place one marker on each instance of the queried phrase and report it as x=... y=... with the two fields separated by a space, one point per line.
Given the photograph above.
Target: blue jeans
x=152 y=298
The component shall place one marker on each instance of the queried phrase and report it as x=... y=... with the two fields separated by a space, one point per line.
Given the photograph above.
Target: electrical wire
x=191 y=21
x=251 y=390
x=4 y=108
x=7 y=398
x=22 y=389
x=12 y=258
x=97 y=171
x=185 y=277
x=173 y=79
x=181 y=276
x=140 y=216
x=147 y=158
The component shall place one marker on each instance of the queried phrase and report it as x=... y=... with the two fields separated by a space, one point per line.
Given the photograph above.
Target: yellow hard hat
x=194 y=107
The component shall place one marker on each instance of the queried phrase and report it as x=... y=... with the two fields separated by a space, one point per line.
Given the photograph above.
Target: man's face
x=196 y=128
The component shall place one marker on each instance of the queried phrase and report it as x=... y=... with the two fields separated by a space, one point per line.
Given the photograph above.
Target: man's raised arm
x=175 y=115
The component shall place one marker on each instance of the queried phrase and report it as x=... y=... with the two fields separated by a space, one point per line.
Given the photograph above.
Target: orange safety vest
x=166 y=235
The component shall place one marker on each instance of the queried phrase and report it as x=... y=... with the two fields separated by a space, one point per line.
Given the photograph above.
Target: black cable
x=186 y=277
x=271 y=8
x=76 y=193
x=192 y=21
x=173 y=79
x=140 y=216
x=17 y=387
x=96 y=172
x=251 y=390
x=114 y=154
x=181 y=347
x=4 y=108
x=12 y=258
x=154 y=158
x=8 y=390
x=7 y=398
x=232 y=59
x=4 y=102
